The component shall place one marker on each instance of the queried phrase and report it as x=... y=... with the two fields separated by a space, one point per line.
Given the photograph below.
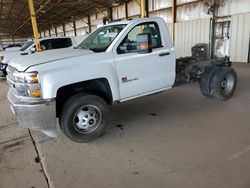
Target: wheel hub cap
x=227 y=84
x=87 y=118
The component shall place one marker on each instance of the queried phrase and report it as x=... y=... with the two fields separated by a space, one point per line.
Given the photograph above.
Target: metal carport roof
x=15 y=17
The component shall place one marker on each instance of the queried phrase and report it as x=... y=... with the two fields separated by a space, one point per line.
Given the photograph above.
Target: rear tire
x=223 y=83
x=206 y=80
x=84 y=117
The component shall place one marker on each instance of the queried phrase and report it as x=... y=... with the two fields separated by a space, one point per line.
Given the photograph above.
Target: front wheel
x=84 y=117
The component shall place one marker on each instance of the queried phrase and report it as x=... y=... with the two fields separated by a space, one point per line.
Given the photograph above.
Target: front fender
x=53 y=80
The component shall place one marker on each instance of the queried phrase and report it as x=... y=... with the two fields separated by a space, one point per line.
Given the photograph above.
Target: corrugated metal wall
x=193 y=25
x=187 y=34
x=233 y=7
x=240 y=37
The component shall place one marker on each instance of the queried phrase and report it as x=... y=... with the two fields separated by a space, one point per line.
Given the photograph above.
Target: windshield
x=101 y=38
x=26 y=45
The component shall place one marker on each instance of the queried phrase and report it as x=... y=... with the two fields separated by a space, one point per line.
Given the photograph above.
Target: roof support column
x=142 y=8
x=74 y=27
x=110 y=14
x=64 y=32
x=173 y=19
x=146 y=8
x=56 y=31
x=13 y=40
x=126 y=9
x=89 y=24
x=34 y=25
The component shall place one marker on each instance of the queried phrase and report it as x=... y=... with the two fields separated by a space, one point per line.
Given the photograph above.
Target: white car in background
x=12 y=47
x=50 y=43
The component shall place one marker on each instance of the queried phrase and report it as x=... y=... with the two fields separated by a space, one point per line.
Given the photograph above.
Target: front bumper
x=38 y=115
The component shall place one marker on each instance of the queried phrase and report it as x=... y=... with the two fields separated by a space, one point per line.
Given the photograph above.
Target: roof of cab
x=133 y=20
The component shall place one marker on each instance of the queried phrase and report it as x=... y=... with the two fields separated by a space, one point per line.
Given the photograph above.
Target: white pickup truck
x=117 y=62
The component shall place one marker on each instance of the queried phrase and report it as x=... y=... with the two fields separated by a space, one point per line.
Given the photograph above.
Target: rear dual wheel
x=206 y=80
x=219 y=83
x=223 y=83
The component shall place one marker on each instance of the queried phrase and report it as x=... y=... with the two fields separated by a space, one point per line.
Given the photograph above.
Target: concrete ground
x=174 y=139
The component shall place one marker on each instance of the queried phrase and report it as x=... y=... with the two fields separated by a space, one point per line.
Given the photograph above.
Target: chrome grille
x=11 y=79
x=10 y=76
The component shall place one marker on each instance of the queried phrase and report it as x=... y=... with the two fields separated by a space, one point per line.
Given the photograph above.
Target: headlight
x=27 y=84
x=23 y=77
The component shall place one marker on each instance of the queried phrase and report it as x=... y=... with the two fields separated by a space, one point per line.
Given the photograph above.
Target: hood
x=23 y=62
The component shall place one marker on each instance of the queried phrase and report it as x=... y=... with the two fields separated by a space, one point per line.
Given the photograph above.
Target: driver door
x=140 y=74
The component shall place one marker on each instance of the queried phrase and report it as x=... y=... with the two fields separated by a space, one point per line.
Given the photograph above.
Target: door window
x=129 y=43
x=61 y=43
x=46 y=44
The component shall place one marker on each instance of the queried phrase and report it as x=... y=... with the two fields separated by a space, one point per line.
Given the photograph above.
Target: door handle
x=163 y=54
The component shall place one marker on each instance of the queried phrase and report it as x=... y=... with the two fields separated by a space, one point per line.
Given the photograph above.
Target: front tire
x=84 y=117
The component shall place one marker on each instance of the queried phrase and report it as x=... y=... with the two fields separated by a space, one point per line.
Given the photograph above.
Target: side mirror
x=144 y=43
x=122 y=48
x=33 y=50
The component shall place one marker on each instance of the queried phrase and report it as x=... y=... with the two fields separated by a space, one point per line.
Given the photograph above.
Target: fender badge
x=125 y=79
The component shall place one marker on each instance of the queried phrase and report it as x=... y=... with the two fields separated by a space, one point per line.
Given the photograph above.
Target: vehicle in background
x=29 y=47
x=118 y=62
x=11 y=47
